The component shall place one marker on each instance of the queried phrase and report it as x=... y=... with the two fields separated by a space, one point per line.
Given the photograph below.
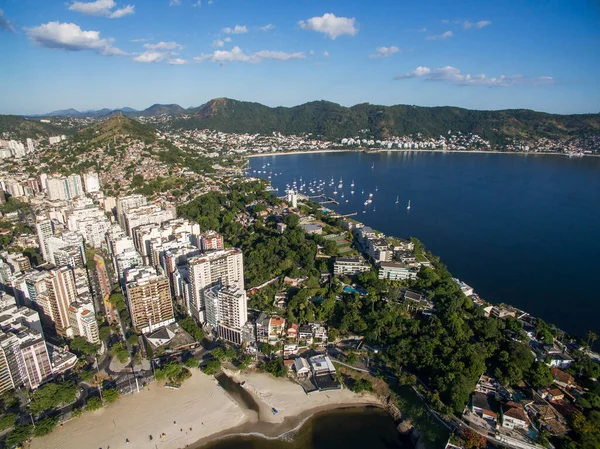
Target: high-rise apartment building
x=54 y=303
x=211 y=241
x=227 y=311
x=44 y=229
x=172 y=232
x=91 y=182
x=148 y=214
x=90 y=221
x=66 y=249
x=83 y=321
x=126 y=203
x=148 y=299
x=207 y=270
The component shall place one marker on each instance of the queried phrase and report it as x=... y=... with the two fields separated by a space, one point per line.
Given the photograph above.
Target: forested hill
x=332 y=121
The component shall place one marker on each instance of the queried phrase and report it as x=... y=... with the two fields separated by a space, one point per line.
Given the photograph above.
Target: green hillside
x=333 y=121
x=116 y=126
x=21 y=128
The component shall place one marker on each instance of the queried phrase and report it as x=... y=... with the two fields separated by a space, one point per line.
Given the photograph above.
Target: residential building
x=54 y=302
x=227 y=311
x=148 y=299
x=207 y=270
x=126 y=203
x=349 y=266
x=147 y=214
x=211 y=241
x=91 y=182
x=66 y=249
x=44 y=229
x=561 y=378
x=302 y=367
x=90 y=221
x=125 y=260
x=481 y=405
x=83 y=321
x=379 y=251
x=394 y=271
x=514 y=416
x=169 y=234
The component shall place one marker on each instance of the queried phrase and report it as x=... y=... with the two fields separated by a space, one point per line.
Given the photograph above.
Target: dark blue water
x=520 y=229
x=357 y=428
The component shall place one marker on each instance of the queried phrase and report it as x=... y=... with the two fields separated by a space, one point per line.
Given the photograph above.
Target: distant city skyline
x=90 y=55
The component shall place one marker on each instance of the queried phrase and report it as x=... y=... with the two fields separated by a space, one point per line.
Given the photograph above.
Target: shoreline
x=382 y=150
x=270 y=431
x=203 y=411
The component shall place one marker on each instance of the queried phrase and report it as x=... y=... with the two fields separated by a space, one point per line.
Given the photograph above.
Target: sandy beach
x=200 y=405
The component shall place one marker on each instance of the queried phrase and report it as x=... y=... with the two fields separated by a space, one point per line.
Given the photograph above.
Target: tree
x=192 y=362
x=191 y=327
x=45 y=426
x=132 y=339
x=93 y=404
x=52 y=395
x=291 y=220
x=539 y=375
x=19 y=435
x=212 y=367
x=275 y=367
x=110 y=395
x=7 y=420
x=104 y=333
x=82 y=347
x=352 y=358
x=591 y=338
x=120 y=352
x=361 y=385
x=472 y=440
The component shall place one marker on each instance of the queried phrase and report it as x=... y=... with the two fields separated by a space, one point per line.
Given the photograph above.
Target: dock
x=353 y=214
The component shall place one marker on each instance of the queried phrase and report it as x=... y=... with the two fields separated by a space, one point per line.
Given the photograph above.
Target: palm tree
x=591 y=338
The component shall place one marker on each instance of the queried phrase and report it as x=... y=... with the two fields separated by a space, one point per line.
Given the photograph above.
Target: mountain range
x=332 y=121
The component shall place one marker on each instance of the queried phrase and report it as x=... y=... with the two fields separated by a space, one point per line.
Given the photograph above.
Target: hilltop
x=116 y=126
x=331 y=121
x=21 y=128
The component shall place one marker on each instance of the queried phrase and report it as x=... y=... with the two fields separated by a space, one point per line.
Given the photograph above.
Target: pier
x=329 y=201
x=353 y=214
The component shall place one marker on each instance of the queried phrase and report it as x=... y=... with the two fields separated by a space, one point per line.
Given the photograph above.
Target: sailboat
x=373 y=166
x=397 y=199
x=408 y=207
x=352 y=185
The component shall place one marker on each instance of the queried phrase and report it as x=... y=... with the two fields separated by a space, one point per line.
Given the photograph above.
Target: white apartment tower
x=126 y=203
x=227 y=311
x=225 y=267
x=44 y=229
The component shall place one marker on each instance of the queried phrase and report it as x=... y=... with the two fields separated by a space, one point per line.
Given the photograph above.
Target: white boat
x=373 y=166
x=335 y=192
x=352 y=185
x=352 y=192
x=408 y=207
x=366 y=203
x=370 y=195
x=373 y=208
x=397 y=199
x=362 y=191
x=376 y=189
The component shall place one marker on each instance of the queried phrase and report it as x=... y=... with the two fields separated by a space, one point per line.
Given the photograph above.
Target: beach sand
x=202 y=405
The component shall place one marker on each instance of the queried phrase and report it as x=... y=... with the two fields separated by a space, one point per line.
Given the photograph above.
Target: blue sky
x=542 y=55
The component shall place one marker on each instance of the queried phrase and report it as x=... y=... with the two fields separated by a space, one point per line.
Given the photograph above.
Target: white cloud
x=330 y=25
x=326 y=54
x=312 y=52
x=478 y=25
x=384 y=52
x=268 y=27
x=445 y=35
x=105 y=8
x=237 y=55
x=4 y=23
x=218 y=43
x=69 y=36
x=455 y=76
x=277 y=55
x=175 y=3
x=422 y=30
x=177 y=61
x=151 y=56
x=227 y=39
x=164 y=46
x=139 y=40
x=238 y=29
